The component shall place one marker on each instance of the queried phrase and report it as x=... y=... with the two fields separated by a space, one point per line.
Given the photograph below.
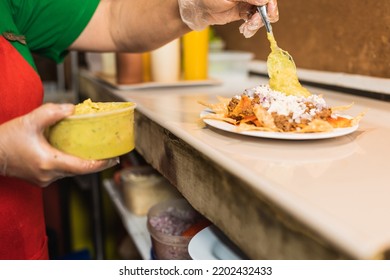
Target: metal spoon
x=263 y=12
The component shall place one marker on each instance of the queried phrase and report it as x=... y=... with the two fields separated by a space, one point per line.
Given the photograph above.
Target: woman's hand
x=198 y=14
x=26 y=154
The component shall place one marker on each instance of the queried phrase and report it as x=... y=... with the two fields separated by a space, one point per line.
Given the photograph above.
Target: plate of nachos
x=263 y=112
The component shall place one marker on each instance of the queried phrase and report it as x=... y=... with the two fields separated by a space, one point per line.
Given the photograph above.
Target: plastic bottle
x=195 y=55
x=147 y=75
x=165 y=63
x=108 y=64
x=129 y=68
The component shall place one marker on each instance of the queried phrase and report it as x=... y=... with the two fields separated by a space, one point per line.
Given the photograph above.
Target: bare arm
x=138 y=26
x=131 y=25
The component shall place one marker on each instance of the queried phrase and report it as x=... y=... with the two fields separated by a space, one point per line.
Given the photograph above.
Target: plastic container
x=97 y=130
x=167 y=221
x=143 y=187
x=229 y=65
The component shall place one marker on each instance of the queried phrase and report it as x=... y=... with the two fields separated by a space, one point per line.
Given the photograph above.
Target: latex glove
x=254 y=21
x=25 y=153
x=198 y=14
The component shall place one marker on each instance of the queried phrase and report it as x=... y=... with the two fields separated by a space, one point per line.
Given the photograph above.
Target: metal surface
x=263 y=13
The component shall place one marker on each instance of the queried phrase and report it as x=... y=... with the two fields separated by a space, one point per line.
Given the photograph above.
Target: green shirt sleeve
x=51 y=26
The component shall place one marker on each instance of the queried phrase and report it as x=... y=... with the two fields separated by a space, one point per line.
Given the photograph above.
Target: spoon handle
x=263 y=12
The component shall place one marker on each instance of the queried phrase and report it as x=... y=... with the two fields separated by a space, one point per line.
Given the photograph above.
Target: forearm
x=138 y=26
x=151 y=23
x=132 y=25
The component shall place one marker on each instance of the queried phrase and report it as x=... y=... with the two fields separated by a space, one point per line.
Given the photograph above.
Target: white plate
x=278 y=135
x=206 y=245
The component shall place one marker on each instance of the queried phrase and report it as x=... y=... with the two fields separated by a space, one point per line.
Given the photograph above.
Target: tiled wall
x=351 y=36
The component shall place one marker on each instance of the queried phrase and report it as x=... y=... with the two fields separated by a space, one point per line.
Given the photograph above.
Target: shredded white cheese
x=286 y=105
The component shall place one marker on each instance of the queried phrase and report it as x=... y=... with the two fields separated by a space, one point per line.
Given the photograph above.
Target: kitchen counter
x=276 y=199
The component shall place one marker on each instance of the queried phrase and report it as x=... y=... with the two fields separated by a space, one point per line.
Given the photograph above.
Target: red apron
x=22 y=225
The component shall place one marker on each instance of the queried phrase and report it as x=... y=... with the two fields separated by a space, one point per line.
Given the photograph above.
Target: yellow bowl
x=97 y=130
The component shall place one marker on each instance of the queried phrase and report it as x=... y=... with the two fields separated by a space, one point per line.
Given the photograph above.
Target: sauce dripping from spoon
x=282 y=71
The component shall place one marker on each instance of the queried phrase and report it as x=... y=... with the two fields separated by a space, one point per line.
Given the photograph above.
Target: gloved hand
x=198 y=14
x=26 y=154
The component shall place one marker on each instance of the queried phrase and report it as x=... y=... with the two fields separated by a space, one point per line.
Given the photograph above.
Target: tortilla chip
x=342 y=107
x=218 y=108
x=316 y=126
x=220 y=117
x=243 y=108
x=248 y=127
x=356 y=120
x=224 y=100
x=265 y=119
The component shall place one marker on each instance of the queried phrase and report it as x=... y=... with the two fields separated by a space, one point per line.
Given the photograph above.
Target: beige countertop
x=276 y=199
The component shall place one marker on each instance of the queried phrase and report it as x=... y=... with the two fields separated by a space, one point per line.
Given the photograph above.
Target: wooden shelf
x=135 y=225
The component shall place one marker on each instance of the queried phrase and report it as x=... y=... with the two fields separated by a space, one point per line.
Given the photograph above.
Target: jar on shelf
x=169 y=224
x=143 y=187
